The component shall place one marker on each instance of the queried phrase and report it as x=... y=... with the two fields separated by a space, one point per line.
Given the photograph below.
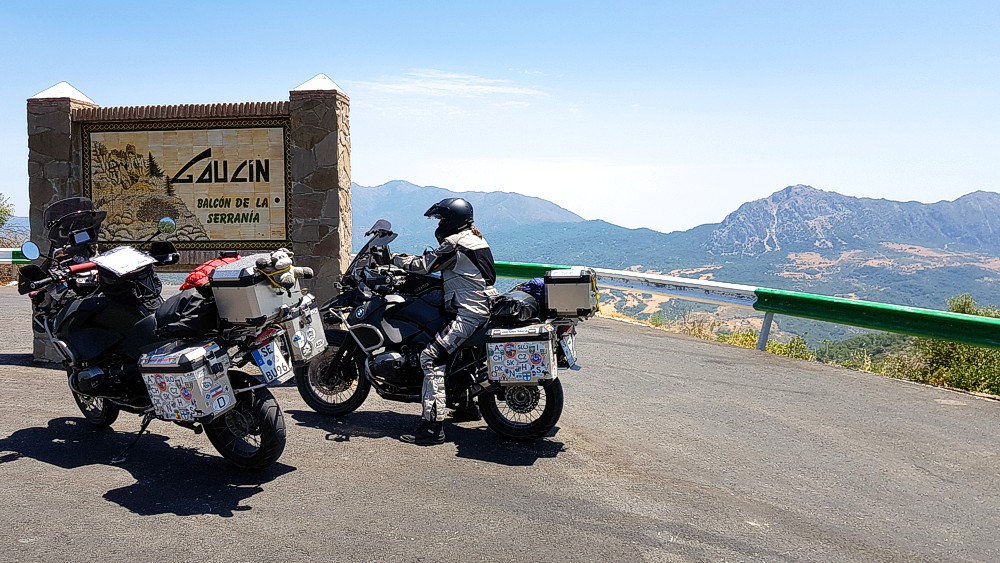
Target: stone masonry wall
x=319 y=134
x=54 y=173
x=319 y=142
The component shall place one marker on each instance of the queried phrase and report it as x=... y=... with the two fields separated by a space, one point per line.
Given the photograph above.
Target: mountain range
x=799 y=238
x=17 y=223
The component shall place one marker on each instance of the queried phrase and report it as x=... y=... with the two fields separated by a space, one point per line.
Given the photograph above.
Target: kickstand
x=146 y=419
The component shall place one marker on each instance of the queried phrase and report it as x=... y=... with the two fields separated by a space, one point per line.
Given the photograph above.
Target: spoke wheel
x=335 y=383
x=523 y=412
x=252 y=433
x=99 y=412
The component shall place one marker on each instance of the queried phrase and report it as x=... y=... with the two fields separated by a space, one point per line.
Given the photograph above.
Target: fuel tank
x=396 y=320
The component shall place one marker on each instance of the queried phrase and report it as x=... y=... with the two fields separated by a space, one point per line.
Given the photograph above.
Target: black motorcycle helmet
x=454 y=215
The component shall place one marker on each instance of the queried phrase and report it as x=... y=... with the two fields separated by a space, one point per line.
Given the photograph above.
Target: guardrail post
x=764 y=330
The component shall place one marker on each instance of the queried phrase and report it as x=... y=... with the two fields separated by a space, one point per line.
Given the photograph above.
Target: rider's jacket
x=467 y=270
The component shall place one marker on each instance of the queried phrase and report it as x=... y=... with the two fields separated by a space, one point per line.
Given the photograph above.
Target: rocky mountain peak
x=798 y=190
x=802 y=218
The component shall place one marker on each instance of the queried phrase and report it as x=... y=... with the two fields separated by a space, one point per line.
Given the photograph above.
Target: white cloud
x=431 y=82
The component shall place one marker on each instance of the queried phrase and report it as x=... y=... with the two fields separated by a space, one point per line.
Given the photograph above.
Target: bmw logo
x=360 y=312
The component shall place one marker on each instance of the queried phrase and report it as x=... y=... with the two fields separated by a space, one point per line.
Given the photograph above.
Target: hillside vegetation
x=924 y=360
x=12 y=234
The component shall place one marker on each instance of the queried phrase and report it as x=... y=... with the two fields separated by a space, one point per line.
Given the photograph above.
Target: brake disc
x=523 y=400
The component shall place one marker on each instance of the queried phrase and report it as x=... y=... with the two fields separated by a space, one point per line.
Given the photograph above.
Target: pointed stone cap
x=63 y=90
x=318 y=83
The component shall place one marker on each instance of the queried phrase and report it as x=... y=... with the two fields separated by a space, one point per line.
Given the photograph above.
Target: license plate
x=272 y=363
x=566 y=343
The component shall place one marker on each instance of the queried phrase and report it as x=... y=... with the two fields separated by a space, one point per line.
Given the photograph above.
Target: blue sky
x=647 y=114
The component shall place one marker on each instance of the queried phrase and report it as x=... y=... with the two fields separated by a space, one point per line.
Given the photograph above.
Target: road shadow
x=473 y=440
x=16 y=359
x=169 y=479
x=360 y=424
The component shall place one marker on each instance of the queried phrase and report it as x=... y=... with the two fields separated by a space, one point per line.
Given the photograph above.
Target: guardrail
x=12 y=256
x=915 y=321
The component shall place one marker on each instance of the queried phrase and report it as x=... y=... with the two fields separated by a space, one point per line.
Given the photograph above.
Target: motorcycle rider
x=468 y=273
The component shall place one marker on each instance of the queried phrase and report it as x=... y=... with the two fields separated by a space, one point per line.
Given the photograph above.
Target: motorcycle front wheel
x=252 y=434
x=523 y=412
x=335 y=383
x=97 y=411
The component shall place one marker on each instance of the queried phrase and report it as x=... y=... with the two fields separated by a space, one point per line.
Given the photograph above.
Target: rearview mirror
x=30 y=250
x=167 y=226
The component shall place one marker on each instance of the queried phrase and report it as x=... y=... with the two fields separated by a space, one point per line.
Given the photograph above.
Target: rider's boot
x=428 y=434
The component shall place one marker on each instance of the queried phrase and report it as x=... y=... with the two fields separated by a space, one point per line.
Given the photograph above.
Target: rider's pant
x=446 y=342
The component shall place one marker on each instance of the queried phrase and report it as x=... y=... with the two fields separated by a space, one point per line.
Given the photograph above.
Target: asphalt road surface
x=669 y=449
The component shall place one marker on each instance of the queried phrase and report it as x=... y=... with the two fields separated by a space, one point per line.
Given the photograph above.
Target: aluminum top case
x=571 y=293
x=246 y=296
x=188 y=381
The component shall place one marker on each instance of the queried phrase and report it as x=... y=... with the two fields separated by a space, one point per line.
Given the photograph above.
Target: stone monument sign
x=226 y=187
x=238 y=176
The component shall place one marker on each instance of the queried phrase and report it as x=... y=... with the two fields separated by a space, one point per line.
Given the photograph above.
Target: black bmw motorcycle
x=384 y=317
x=102 y=313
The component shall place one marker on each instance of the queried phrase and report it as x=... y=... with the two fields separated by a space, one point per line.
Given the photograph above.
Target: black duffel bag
x=187 y=314
x=514 y=307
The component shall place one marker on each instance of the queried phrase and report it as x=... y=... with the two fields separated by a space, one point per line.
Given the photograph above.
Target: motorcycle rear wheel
x=251 y=435
x=525 y=412
x=335 y=383
x=97 y=411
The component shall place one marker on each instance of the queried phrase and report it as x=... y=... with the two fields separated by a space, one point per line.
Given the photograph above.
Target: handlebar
x=77 y=268
x=40 y=283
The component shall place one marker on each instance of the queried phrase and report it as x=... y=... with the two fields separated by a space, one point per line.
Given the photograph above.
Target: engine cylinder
x=91 y=381
x=388 y=364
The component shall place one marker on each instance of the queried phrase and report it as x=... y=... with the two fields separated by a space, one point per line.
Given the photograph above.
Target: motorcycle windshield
x=380 y=238
x=72 y=215
x=66 y=206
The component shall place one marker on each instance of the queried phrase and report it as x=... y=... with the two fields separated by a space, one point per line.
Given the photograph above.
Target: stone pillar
x=320 y=142
x=54 y=148
x=54 y=152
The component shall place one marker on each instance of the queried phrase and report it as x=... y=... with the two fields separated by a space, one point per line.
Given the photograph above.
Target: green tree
x=864 y=348
x=6 y=210
x=973 y=368
x=9 y=238
x=154 y=169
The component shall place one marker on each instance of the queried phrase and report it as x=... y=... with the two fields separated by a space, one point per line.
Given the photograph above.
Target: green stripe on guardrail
x=525 y=270
x=930 y=323
x=12 y=256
